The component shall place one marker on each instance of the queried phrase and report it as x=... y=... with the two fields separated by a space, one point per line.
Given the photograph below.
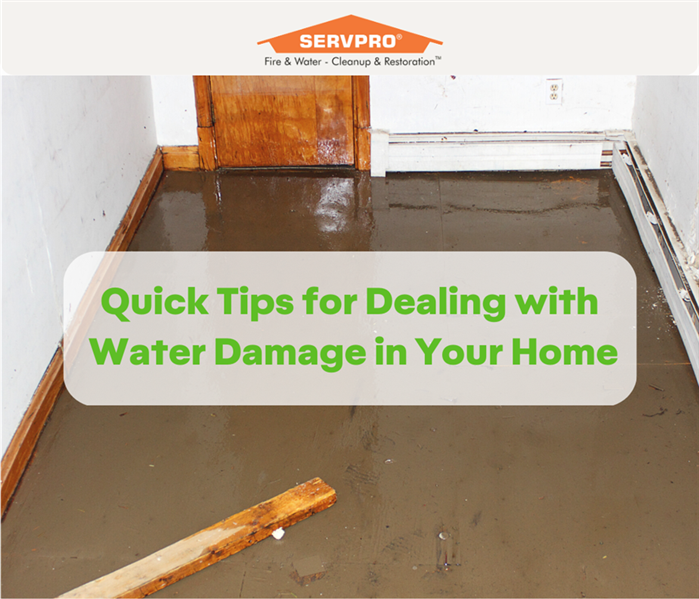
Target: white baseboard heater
x=430 y=152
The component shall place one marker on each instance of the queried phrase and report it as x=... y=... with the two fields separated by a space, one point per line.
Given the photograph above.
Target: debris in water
x=662 y=411
x=308 y=570
x=278 y=533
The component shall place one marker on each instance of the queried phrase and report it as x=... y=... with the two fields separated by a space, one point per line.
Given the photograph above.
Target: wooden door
x=283 y=121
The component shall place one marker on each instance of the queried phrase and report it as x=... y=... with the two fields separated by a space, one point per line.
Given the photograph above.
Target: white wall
x=74 y=152
x=460 y=104
x=666 y=126
x=175 y=110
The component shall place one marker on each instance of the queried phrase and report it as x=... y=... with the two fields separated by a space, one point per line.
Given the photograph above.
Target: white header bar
x=567 y=38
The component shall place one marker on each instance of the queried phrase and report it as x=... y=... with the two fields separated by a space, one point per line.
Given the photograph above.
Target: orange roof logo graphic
x=350 y=35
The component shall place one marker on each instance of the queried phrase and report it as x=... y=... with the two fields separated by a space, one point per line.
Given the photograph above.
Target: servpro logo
x=349 y=34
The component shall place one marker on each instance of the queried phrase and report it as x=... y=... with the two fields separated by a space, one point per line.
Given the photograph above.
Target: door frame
x=208 y=158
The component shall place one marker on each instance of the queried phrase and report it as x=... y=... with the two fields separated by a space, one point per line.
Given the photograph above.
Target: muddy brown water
x=432 y=501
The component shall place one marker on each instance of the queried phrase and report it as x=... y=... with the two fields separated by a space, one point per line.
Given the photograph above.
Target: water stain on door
x=283 y=121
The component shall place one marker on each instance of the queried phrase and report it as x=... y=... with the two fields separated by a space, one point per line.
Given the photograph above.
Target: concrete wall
x=666 y=126
x=74 y=152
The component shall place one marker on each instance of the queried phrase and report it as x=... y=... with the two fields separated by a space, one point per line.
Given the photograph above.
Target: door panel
x=282 y=121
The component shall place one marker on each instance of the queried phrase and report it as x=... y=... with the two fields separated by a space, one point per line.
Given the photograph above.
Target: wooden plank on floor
x=212 y=544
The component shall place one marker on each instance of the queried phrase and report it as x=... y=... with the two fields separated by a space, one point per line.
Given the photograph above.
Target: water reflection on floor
x=329 y=211
x=432 y=501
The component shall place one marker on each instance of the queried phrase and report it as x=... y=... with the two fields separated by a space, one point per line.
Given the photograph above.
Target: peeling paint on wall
x=666 y=125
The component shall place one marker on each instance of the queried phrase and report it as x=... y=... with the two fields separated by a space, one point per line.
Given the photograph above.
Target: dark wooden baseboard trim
x=21 y=447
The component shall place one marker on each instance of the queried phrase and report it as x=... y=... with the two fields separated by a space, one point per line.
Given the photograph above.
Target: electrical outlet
x=554 y=91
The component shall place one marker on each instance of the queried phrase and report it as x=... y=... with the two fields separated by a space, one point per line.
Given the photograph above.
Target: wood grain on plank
x=212 y=544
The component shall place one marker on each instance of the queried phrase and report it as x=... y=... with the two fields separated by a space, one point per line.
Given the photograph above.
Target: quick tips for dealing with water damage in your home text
x=341 y=328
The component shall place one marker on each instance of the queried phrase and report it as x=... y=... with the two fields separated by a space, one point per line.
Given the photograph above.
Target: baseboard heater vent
x=459 y=152
x=662 y=244
x=429 y=152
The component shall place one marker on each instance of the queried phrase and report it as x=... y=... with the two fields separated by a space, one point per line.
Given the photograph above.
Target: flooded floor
x=432 y=501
